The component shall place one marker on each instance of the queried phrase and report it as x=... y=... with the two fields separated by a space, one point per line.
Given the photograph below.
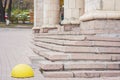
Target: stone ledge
x=93 y=74
x=50 y=26
x=104 y=15
x=85 y=75
x=46 y=28
x=36 y=29
x=71 y=21
x=69 y=27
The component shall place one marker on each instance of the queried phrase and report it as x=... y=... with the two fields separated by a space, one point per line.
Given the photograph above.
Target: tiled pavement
x=14 y=49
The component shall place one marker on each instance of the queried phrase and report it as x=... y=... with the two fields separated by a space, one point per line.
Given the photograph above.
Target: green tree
x=22 y=4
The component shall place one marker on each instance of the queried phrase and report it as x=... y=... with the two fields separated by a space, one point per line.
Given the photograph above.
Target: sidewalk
x=14 y=49
x=21 y=26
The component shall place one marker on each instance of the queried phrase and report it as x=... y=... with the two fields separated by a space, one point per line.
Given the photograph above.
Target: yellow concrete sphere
x=22 y=71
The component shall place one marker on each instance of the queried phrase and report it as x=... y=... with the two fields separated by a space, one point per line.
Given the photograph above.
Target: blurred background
x=16 y=12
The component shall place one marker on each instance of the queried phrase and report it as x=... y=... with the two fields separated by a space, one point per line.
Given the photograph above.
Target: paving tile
x=14 y=49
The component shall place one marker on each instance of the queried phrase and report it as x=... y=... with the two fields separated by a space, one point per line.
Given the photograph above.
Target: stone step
x=60 y=56
x=48 y=29
x=91 y=65
x=78 y=43
x=36 y=58
x=79 y=37
x=63 y=37
x=100 y=38
x=82 y=74
x=77 y=31
x=78 y=49
x=74 y=32
x=78 y=65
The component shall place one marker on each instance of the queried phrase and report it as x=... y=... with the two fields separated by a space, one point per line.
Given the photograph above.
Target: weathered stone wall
x=91 y=5
x=46 y=12
x=101 y=17
x=111 y=5
x=51 y=12
x=101 y=9
x=35 y=13
x=38 y=10
x=73 y=9
x=41 y=12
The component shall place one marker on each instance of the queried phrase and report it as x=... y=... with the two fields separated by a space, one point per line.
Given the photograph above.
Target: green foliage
x=22 y=17
x=19 y=15
x=16 y=11
x=13 y=18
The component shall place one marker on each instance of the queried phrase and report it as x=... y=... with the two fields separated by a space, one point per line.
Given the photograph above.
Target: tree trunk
x=2 y=12
x=5 y=3
x=9 y=9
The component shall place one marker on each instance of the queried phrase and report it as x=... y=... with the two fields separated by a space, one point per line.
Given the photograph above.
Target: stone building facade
x=47 y=13
x=85 y=44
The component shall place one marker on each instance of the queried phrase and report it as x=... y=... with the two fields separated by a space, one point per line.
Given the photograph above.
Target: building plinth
x=103 y=17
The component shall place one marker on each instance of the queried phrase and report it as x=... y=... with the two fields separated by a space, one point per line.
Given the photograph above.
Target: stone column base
x=69 y=27
x=48 y=28
x=101 y=26
x=69 y=24
x=36 y=29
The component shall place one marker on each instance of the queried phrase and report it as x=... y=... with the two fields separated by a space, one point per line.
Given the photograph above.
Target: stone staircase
x=77 y=55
